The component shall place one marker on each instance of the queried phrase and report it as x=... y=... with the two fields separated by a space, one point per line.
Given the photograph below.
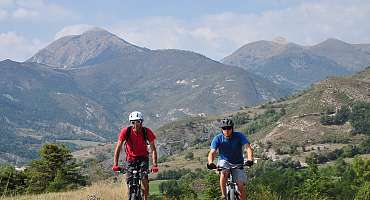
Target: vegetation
x=359 y=117
x=56 y=170
x=348 y=151
x=341 y=117
x=96 y=191
x=290 y=181
x=263 y=120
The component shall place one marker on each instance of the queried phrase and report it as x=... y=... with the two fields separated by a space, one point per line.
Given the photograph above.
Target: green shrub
x=360 y=117
x=341 y=117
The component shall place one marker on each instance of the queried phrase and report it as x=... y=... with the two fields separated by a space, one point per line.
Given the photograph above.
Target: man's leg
x=224 y=175
x=240 y=178
x=223 y=179
x=129 y=177
x=144 y=165
x=145 y=184
x=241 y=188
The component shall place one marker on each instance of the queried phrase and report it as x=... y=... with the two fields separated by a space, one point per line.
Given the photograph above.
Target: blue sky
x=214 y=28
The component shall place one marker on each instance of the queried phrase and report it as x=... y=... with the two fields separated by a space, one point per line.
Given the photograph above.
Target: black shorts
x=140 y=164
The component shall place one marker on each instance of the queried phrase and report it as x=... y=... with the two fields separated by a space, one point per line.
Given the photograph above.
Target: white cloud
x=24 y=13
x=152 y=32
x=73 y=30
x=16 y=47
x=218 y=35
x=40 y=10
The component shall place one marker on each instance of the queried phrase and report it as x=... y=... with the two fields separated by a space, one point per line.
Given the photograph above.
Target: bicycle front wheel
x=231 y=194
x=133 y=196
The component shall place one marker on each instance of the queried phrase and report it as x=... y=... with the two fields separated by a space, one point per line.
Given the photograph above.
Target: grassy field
x=154 y=187
x=101 y=191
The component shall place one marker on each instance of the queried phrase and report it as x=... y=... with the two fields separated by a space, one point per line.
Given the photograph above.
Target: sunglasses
x=227 y=128
x=135 y=121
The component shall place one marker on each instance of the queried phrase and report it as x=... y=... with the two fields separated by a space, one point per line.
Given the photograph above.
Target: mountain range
x=295 y=66
x=296 y=133
x=81 y=88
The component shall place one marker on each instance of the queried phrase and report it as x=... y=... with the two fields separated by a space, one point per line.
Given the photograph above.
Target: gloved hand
x=211 y=166
x=154 y=169
x=116 y=168
x=248 y=163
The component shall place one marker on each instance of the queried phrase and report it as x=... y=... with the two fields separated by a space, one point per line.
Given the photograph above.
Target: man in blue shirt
x=230 y=145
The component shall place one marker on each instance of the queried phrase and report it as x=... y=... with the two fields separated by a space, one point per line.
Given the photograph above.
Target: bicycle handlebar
x=236 y=166
x=125 y=170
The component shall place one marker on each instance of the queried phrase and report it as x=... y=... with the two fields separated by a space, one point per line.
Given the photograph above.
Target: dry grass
x=101 y=191
x=178 y=161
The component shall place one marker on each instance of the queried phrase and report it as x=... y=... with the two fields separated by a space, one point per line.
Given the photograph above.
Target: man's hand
x=154 y=169
x=248 y=163
x=116 y=168
x=211 y=166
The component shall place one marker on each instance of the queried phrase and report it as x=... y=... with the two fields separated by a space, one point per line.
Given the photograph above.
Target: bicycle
x=134 y=186
x=232 y=192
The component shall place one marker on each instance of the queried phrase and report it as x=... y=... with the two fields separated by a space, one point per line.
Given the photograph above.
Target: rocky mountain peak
x=280 y=40
x=333 y=43
x=92 y=46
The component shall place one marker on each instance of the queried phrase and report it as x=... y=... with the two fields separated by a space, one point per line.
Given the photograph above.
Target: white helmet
x=136 y=115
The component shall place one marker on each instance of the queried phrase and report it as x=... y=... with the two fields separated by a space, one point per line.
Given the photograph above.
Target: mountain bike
x=232 y=192
x=134 y=186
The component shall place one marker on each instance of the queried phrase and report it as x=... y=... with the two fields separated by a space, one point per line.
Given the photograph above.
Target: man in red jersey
x=136 y=139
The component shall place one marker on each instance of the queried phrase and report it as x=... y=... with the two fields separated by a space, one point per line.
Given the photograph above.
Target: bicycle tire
x=133 y=197
x=133 y=194
x=231 y=194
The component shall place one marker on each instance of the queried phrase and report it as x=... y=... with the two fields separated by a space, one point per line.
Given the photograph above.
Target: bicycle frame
x=231 y=186
x=231 y=189
x=135 y=192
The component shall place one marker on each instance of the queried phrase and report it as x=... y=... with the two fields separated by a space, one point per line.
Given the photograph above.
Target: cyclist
x=136 y=139
x=230 y=145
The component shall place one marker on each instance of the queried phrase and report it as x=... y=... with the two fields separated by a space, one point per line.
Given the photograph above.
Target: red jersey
x=135 y=145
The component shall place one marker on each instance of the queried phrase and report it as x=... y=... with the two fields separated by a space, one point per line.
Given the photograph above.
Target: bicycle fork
x=232 y=190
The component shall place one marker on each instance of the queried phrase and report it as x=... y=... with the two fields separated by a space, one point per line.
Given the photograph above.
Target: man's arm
x=249 y=151
x=211 y=155
x=117 y=151
x=154 y=153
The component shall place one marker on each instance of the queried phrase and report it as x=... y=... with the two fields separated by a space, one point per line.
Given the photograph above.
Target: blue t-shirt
x=230 y=149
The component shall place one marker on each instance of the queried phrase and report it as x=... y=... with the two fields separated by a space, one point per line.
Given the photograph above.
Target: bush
x=57 y=170
x=240 y=118
x=341 y=117
x=12 y=182
x=360 y=117
x=189 y=155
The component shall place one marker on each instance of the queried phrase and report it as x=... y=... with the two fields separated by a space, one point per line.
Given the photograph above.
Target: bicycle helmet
x=136 y=115
x=226 y=122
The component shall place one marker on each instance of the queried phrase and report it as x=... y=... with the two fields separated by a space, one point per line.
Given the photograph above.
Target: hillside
x=295 y=66
x=280 y=133
x=80 y=90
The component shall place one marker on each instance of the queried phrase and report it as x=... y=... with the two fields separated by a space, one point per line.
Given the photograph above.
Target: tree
x=170 y=189
x=363 y=192
x=56 y=170
x=360 y=117
x=12 y=182
x=186 y=186
x=212 y=189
